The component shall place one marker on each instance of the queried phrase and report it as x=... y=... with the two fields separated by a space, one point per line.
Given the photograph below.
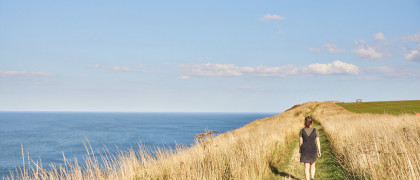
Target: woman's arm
x=319 y=146
x=300 y=142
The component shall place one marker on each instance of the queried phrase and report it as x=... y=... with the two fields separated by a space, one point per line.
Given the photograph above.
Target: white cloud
x=271 y=71
x=212 y=70
x=122 y=68
x=388 y=71
x=230 y=70
x=270 y=17
x=379 y=36
x=96 y=66
x=383 y=70
x=336 y=67
x=367 y=51
x=136 y=68
x=24 y=73
x=414 y=38
x=413 y=55
x=333 y=48
x=359 y=42
x=315 y=50
x=185 y=77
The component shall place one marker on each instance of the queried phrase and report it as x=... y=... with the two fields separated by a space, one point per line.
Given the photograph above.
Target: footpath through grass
x=327 y=167
x=381 y=107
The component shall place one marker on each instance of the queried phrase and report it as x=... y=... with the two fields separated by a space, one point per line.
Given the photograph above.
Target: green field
x=381 y=107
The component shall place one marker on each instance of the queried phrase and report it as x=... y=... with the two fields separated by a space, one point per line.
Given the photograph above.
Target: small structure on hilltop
x=358 y=100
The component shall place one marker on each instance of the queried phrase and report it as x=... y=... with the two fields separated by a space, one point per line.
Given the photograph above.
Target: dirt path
x=327 y=166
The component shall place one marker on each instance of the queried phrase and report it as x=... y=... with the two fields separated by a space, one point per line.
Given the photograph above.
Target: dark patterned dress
x=308 y=149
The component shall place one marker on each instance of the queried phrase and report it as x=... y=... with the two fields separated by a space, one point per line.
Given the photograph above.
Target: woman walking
x=308 y=148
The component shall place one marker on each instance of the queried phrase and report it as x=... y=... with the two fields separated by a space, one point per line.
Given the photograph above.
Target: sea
x=46 y=136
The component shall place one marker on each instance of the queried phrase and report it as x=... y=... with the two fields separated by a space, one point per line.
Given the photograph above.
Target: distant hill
x=381 y=107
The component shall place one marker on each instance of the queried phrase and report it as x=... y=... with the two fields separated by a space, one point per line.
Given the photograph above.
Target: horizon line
x=49 y=111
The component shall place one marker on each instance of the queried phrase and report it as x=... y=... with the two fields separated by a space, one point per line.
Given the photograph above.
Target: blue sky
x=213 y=56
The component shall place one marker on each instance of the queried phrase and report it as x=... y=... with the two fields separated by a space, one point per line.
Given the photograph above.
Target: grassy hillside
x=244 y=153
x=373 y=146
x=389 y=107
x=364 y=146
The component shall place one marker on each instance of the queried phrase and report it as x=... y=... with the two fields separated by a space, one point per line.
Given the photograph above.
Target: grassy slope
x=244 y=153
x=327 y=166
x=390 y=107
x=265 y=148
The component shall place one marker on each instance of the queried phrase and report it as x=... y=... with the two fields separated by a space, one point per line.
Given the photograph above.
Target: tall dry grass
x=373 y=146
x=245 y=153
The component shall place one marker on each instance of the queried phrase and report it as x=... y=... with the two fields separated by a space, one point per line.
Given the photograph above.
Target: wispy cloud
x=271 y=17
x=315 y=50
x=185 y=77
x=24 y=73
x=231 y=70
x=96 y=66
x=379 y=36
x=413 y=55
x=413 y=38
x=332 y=48
x=336 y=67
x=389 y=71
x=120 y=68
x=212 y=70
x=369 y=51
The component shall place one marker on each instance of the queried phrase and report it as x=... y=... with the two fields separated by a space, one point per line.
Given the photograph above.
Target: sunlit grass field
x=374 y=146
x=366 y=146
x=244 y=153
x=384 y=107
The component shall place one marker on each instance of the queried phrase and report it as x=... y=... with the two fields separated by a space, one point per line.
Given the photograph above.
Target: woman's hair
x=308 y=121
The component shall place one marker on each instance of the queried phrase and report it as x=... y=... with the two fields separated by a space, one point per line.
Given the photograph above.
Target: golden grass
x=244 y=153
x=369 y=146
x=373 y=146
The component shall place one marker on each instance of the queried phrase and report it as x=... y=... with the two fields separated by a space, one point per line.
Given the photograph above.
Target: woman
x=307 y=147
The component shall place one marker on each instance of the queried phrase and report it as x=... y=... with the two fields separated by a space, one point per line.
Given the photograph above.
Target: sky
x=205 y=56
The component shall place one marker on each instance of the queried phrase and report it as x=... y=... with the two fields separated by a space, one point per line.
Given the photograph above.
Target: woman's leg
x=312 y=170
x=307 y=175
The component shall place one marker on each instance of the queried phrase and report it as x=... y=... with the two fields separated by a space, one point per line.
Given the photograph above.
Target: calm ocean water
x=46 y=135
